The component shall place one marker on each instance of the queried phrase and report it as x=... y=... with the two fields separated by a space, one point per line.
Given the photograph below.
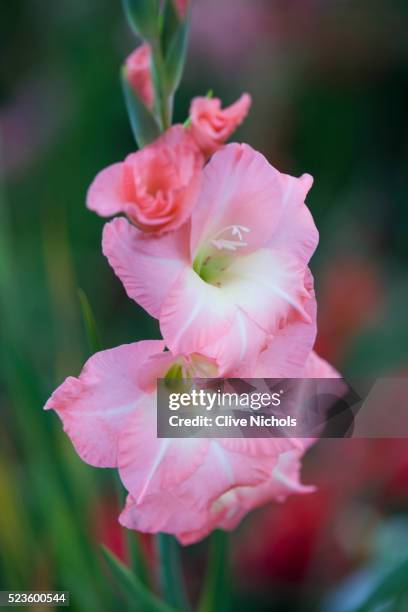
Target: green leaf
x=143 y=124
x=392 y=586
x=216 y=590
x=143 y=17
x=134 y=550
x=137 y=595
x=94 y=339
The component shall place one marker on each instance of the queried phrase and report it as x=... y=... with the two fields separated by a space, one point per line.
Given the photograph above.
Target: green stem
x=171 y=579
x=216 y=593
x=136 y=557
x=163 y=101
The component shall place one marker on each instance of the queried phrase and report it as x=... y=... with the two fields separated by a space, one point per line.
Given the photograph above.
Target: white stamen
x=230 y=245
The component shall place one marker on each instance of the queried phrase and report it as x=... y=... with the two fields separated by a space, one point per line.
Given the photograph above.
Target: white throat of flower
x=213 y=259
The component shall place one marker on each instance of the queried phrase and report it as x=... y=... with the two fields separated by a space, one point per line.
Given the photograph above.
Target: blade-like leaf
x=393 y=585
x=216 y=590
x=137 y=595
x=94 y=339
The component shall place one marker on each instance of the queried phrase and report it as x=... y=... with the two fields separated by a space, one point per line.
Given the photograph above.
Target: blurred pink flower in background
x=211 y=126
x=213 y=19
x=139 y=74
x=340 y=317
x=103 y=522
x=239 y=266
x=155 y=187
x=329 y=532
x=32 y=120
x=182 y=6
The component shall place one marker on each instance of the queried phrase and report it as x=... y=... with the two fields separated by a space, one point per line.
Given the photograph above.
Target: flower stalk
x=163 y=100
x=171 y=580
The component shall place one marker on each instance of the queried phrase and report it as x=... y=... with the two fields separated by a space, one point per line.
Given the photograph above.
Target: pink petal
x=288 y=349
x=237 y=351
x=316 y=367
x=149 y=465
x=284 y=480
x=211 y=125
x=172 y=505
x=147 y=265
x=105 y=193
x=268 y=286
x=153 y=368
x=236 y=112
x=296 y=231
x=97 y=406
x=194 y=314
x=240 y=188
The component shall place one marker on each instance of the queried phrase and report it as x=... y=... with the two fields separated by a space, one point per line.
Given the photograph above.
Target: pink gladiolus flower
x=230 y=508
x=139 y=74
x=211 y=126
x=176 y=486
x=234 y=275
x=155 y=187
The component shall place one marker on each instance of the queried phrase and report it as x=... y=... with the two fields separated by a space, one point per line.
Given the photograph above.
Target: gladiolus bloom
x=155 y=187
x=185 y=487
x=211 y=126
x=238 y=266
x=139 y=74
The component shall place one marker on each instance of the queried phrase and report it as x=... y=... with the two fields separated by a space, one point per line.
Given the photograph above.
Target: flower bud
x=212 y=125
x=139 y=75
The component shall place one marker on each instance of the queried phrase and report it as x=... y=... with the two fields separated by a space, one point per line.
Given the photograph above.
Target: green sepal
x=143 y=17
x=138 y=596
x=174 y=44
x=144 y=126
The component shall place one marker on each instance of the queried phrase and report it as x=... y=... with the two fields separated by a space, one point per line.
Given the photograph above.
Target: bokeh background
x=329 y=80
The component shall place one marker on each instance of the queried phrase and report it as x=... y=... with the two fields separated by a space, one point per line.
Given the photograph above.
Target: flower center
x=214 y=258
x=186 y=368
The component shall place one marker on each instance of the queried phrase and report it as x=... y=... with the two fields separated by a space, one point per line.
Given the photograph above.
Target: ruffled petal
x=240 y=189
x=296 y=232
x=98 y=405
x=147 y=265
x=105 y=195
x=290 y=346
x=169 y=504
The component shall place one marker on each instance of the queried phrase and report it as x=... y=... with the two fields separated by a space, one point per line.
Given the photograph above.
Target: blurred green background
x=329 y=80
